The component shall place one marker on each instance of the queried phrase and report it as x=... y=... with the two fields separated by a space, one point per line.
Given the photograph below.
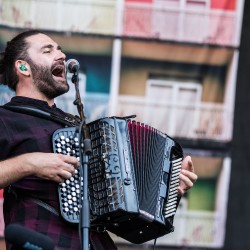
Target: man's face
x=47 y=63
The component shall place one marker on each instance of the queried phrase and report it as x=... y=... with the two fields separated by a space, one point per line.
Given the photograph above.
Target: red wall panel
x=139 y=1
x=223 y=4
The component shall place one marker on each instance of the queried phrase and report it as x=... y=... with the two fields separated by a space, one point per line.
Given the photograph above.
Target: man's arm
x=49 y=166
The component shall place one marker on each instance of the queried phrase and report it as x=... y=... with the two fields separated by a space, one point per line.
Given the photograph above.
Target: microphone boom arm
x=78 y=103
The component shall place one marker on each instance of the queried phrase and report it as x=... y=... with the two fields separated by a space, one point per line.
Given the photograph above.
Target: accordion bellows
x=133 y=176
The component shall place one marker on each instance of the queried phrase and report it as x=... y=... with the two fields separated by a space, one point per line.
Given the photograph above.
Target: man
x=33 y=65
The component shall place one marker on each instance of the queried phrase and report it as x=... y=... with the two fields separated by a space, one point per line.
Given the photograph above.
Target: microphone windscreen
x=25 y=238
x=72 y=66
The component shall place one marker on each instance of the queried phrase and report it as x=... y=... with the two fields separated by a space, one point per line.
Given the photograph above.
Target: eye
x=46 y=51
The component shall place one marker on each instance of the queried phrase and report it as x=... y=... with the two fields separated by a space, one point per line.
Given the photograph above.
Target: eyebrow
x=50 y=46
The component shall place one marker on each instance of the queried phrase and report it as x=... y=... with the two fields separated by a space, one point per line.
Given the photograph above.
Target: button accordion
x=133 y=174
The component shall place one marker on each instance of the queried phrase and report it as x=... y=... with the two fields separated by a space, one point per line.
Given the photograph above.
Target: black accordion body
x=133 y=174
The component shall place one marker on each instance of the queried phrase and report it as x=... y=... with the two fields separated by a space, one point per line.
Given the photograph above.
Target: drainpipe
x=116 y=59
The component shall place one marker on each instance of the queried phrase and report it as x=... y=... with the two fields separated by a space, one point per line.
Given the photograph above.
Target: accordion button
x=66 y=210
x=127 y=181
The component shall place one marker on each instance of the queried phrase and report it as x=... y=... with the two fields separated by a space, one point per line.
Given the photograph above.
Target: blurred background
x=181 y=67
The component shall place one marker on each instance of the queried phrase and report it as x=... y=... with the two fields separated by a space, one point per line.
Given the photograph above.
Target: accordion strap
x=68 y=120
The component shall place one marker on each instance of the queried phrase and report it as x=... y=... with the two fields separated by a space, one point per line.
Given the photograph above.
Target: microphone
x=72 y=66
x=25 y=238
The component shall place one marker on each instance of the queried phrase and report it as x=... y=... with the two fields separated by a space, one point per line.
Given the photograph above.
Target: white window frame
x=177 y=85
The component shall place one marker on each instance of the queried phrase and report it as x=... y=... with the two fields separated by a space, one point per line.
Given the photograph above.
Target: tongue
x=57 y=71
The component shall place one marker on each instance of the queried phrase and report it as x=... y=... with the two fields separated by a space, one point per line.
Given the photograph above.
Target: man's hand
x=187 y=176
x=55 y=167
x=49 y=166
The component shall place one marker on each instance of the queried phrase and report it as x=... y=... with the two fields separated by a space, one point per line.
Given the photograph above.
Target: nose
x=60 y=55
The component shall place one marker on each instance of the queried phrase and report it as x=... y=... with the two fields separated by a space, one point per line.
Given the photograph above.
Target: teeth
x=57 y=71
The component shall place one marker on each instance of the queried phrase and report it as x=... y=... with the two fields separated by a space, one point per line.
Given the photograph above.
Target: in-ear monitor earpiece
x=22 y=67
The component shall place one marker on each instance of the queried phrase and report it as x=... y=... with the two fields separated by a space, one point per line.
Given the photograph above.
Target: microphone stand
x=87 y=151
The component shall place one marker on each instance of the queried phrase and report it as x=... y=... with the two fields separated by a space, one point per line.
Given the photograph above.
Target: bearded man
x=33 y=65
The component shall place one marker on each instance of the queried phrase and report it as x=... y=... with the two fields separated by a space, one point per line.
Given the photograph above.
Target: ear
x=22 y=67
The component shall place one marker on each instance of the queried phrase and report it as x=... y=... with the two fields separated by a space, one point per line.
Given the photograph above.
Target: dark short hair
x=16 y=49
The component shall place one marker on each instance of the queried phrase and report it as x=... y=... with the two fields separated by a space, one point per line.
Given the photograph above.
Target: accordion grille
x=147 y=152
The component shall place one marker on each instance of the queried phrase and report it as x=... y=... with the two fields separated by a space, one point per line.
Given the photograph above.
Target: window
x=172 y=106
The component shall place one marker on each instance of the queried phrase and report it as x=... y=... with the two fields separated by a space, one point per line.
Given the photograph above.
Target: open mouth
x=58 y=71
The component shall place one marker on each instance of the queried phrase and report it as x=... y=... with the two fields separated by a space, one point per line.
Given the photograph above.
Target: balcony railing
x=5 y=94
x=193 y=121
x=95 y=105
x=210 y=121
x=88 y=16
x=192 y=228
x=137 y=20
x=197 y=26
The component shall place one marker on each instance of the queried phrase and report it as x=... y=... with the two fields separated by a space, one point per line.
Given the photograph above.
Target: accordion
x=133 y=174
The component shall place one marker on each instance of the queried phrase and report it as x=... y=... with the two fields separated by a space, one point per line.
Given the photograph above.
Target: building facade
x=172 y=63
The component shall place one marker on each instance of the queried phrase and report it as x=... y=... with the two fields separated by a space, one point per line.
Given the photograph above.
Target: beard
x=45 y=83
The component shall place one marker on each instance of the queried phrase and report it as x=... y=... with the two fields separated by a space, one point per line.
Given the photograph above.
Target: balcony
x=210 y=121
x=160 y=21
x=84 y=16
x=193 y=228
x=182 y=25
